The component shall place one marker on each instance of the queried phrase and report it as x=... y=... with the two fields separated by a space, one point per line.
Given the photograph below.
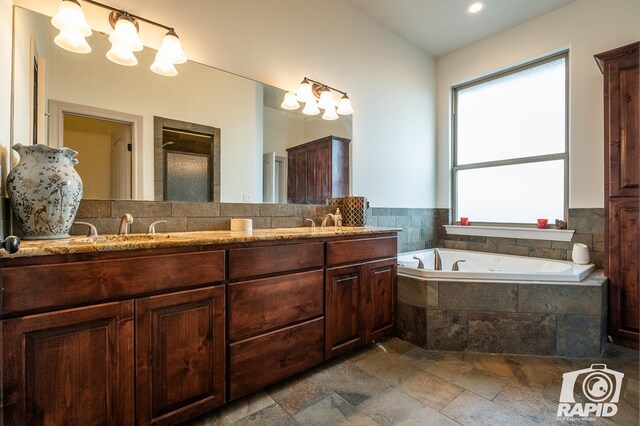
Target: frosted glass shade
x=171 y=49
x=73 y=41
x=304 y=93
x=125 y=35
x=311 y=108
x=71 y=17
x=290 y=102
x=70 y=20
x=344 y=106
x=326 y=100
x=330 y=114
x=162 y=66
x=122 y=56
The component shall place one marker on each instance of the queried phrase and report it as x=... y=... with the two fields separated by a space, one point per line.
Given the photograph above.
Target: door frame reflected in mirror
x=57 y=111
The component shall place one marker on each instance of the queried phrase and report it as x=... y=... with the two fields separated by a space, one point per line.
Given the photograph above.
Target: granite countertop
x=105 y=243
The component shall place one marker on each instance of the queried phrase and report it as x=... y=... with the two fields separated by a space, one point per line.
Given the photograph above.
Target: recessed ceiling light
x=475 y=7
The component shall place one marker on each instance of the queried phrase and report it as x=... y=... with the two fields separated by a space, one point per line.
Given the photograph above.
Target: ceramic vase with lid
x=45 y=191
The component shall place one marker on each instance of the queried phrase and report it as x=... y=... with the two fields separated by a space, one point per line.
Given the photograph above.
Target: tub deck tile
x=472 y=296
x=506 y=332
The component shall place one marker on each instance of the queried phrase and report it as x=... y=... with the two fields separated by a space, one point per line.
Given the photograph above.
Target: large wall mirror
x=203 y=135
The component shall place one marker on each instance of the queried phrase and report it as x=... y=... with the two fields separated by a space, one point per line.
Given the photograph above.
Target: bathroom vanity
x=159 y=330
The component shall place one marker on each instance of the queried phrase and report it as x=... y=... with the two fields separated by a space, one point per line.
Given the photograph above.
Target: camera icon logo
x=600 y=387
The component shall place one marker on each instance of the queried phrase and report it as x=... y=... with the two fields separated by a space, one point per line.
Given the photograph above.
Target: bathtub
x=479 y=266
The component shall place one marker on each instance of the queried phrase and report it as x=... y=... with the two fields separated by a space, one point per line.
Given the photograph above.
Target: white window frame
x=524 y=160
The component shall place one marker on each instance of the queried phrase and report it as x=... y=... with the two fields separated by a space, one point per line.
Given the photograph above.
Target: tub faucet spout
x=455 y=266
x=437 y=260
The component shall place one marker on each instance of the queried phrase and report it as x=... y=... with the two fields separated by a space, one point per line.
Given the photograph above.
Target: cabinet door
x=297 y=176
x=623 y=270
x=381 y=298
x=180 y=346
x=344 y=309
x=318 y=173
x=72 y=367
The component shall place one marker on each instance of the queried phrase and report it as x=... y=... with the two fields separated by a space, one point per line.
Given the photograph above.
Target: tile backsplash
x=421 y=227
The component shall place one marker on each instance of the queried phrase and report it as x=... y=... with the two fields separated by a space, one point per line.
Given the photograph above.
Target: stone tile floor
x=397 y=383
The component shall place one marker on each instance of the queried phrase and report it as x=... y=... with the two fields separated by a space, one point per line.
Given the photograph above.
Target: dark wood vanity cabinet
x=360 y=298
x=162 y=338
x=318 y=170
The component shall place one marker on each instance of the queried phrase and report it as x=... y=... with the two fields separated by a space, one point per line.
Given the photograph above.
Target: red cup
x=464 y=221
x=542 y=223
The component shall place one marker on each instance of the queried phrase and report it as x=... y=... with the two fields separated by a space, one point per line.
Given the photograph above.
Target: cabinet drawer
x=255 y=261
x=29 y=288
x=350 y=251
x=262 y=305
x=260 y=361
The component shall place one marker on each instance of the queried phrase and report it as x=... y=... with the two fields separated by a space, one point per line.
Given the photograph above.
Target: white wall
x=391 y=84
x=6 y=28
x=587 y=27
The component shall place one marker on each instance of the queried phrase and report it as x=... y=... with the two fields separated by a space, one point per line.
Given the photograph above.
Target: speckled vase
x=45 y=191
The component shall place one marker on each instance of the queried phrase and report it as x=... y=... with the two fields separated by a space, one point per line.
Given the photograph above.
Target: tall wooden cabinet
x=318 y=170
x=622 y=175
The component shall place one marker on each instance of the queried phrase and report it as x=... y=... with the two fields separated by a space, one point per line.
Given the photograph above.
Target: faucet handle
x=93 y=232
x=313 y=222
x=152 y=227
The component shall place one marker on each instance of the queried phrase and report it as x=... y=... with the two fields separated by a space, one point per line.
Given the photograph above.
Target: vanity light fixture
x=476 y=7
x=71 y=22
x=316 y=96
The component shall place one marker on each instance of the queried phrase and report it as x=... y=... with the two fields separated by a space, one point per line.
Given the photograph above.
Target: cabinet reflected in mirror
x=246 y=113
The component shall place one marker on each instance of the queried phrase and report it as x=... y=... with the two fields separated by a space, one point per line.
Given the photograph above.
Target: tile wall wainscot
x=186 y=216
x=535 y=319
x=419 y=225
x=588 y=225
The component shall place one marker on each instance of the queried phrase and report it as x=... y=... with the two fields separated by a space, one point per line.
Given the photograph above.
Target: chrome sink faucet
x=92 y=232
x=152 y=227
x=313 y=223
x=125 y=221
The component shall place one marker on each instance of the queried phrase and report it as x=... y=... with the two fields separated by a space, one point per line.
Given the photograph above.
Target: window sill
x=511 y=232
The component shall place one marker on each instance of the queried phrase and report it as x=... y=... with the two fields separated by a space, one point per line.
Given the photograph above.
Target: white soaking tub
x=479 y=266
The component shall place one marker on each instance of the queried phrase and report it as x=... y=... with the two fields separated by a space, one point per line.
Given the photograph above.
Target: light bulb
x=126 y=34
x=171 y=48
x=290 y=101
x=326 y=99
x=163 y=66
x=330 y=114
x=344 y=106
x=475 y=7
x=311 y=108
x=304 y=92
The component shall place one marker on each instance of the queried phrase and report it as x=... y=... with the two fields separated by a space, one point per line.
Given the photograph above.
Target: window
x=510 y=162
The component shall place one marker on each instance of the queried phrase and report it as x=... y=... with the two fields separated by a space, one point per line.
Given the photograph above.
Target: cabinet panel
x=381 y=298
x=297 y=176
x=260 y=361
x=69 y=367
x=180 y=345
x=30 y=288
x=358 y=250
x=268 y=260
x=344 y=305
x=263 y=305
x=623 y=269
